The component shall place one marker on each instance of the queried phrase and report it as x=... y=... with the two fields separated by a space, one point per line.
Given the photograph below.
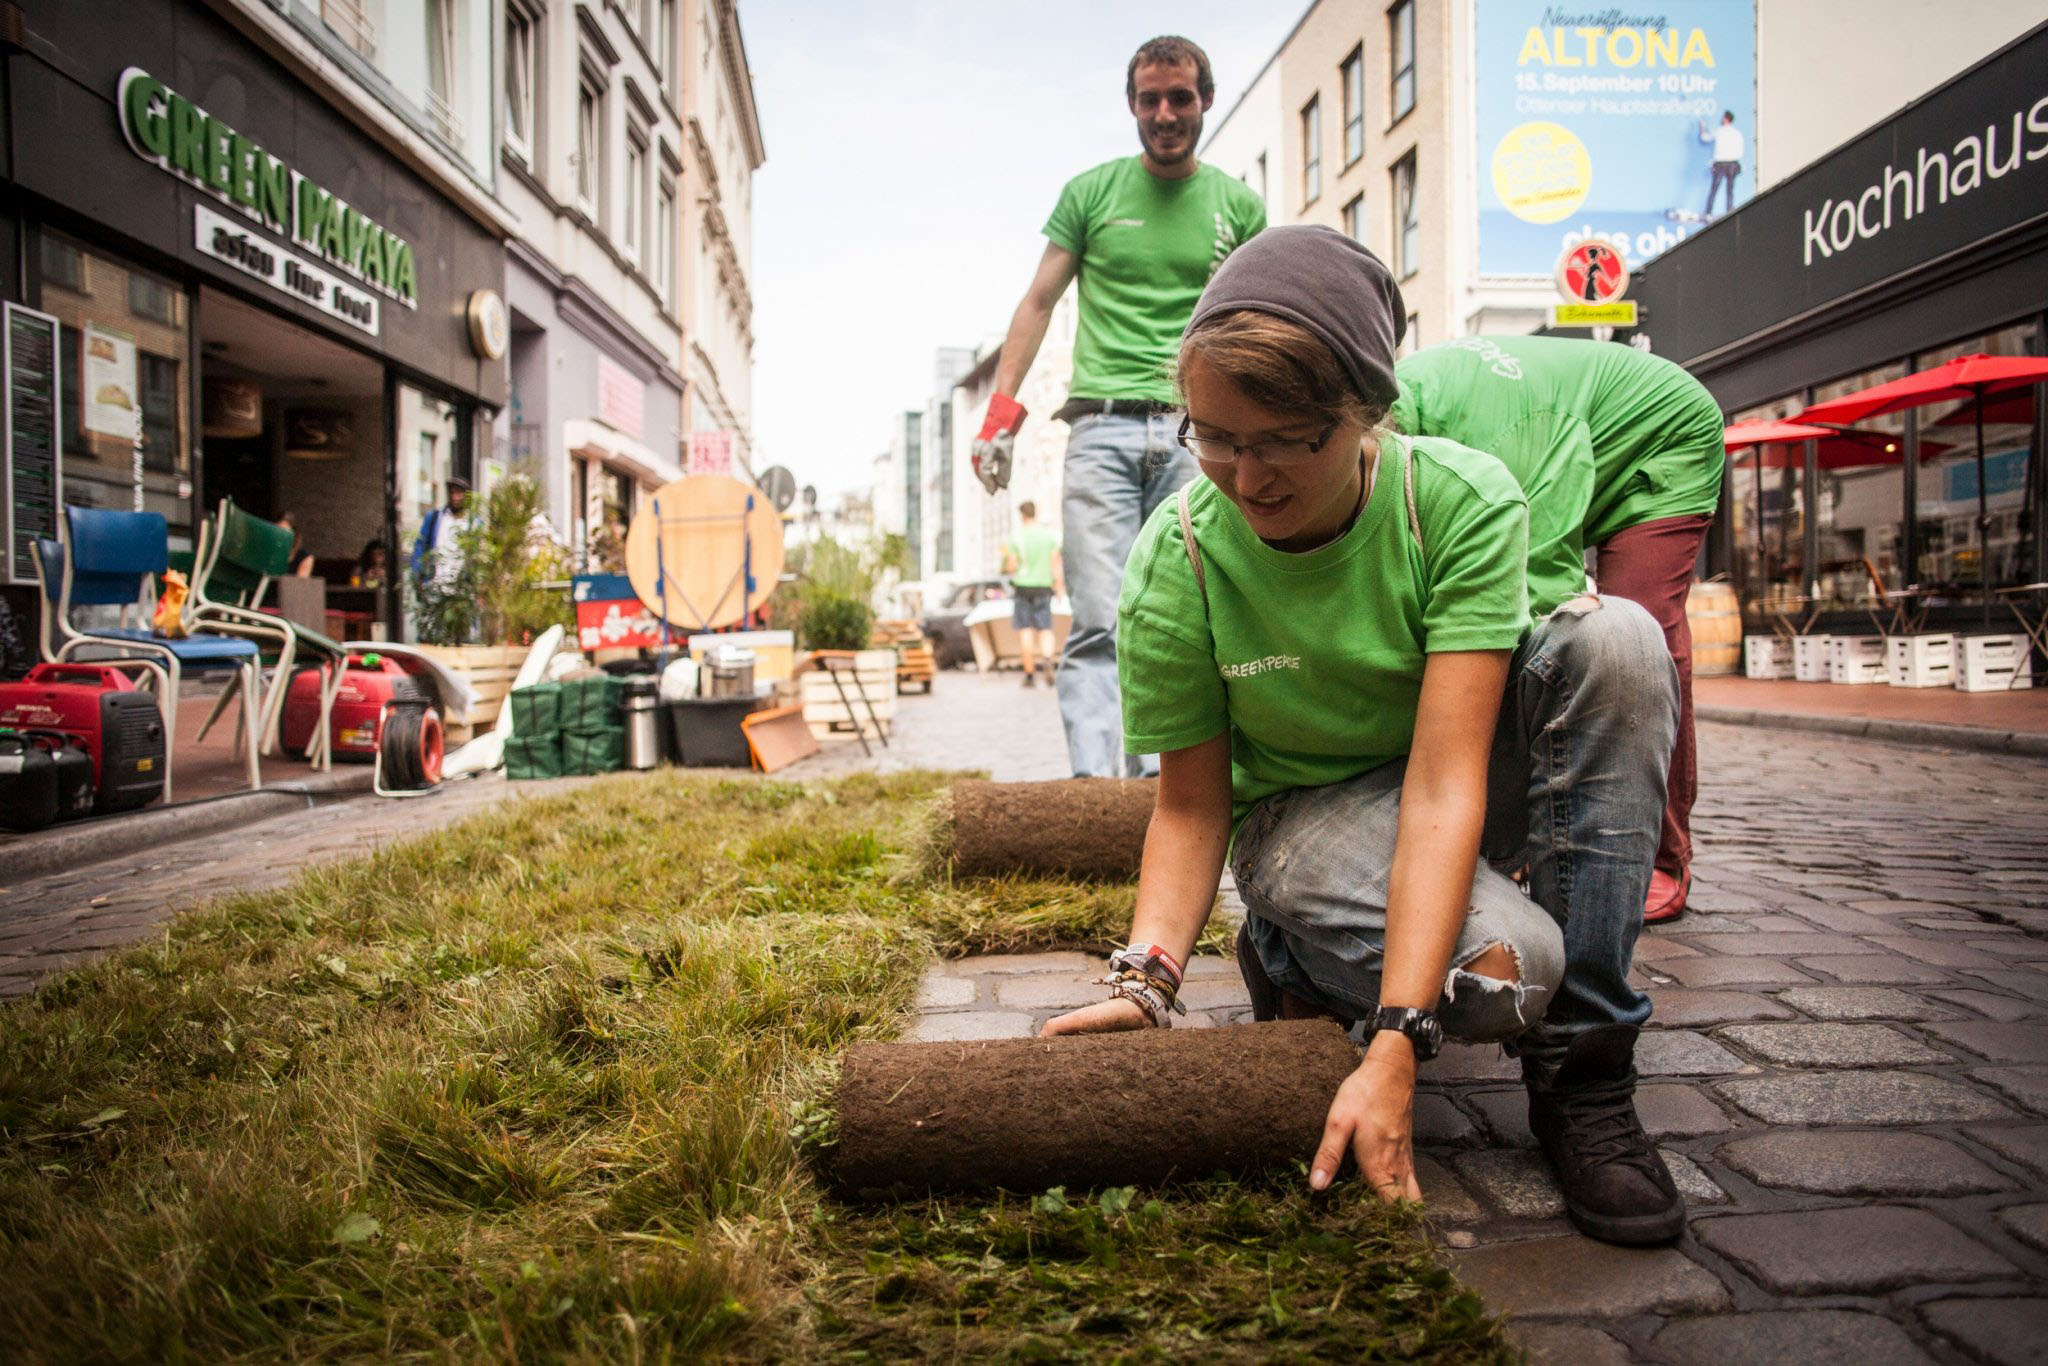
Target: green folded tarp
x=598 y=752
x=592 y=704
x=536 y=710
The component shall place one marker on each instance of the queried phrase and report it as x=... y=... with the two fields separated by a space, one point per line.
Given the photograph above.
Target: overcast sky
x=915 y=148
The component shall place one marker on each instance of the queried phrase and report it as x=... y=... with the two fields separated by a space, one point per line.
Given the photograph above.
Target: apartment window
x=522 y=80
x=1412 y=342
x=664 y=244
x=1354 y=105
x=636 y=193
x=350 y=21
x=441 y=48
x=1407 y=219
x=1311 y=150
x=1260 y=183
x=665 y=41
x=590 y=143
x=1401 y=46
x=1354 y=218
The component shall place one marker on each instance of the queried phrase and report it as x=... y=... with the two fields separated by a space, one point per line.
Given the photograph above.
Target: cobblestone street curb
x=1976 y=739
x=76 y=846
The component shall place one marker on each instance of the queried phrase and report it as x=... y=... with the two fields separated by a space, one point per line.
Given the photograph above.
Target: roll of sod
x=1132 y=1109
x=1072 y=827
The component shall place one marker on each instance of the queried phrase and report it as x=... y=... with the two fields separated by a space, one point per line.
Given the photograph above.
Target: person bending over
x=1616 y=449
x=1327 y=639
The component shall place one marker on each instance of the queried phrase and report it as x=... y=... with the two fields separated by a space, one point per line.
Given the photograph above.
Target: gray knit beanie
x=1328 y=283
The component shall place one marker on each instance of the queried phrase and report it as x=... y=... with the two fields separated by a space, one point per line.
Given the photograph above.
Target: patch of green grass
x=542 y=1086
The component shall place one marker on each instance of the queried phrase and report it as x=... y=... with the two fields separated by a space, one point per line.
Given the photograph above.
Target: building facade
x=1378 y=119
x=1039 y=459
x=1921 y=239
x=942 y=464
x=724 y=150
x=263 y=242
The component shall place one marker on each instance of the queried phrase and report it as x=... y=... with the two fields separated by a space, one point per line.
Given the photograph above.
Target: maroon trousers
x=1652 y=564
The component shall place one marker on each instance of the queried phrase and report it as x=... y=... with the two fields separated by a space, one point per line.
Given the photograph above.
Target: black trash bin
x=707 y=732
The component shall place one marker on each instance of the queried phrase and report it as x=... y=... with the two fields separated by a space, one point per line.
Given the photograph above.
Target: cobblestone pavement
x=1848 y=1067
x=55 y=923
x=1848 y=1072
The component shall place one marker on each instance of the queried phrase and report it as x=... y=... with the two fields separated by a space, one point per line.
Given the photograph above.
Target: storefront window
x=1860 y=502
x=1766 y=514
x=431 y=447
x=1950 y=548
x=124 y=388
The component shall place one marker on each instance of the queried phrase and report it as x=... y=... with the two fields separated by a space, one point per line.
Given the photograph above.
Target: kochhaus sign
x=170 y=131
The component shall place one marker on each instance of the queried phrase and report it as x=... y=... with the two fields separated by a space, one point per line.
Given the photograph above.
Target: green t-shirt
x=1147 y=247
x=1599 y=436
x=1314 y=661
x=1033 y=546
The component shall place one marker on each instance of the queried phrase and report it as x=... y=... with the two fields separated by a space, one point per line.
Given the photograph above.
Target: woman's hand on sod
x=1105 y=1017
x=1373 y=1116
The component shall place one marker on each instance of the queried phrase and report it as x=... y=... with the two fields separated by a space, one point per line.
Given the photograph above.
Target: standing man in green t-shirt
x=1032 y=560
x=1142 y=235
x=1616 y=449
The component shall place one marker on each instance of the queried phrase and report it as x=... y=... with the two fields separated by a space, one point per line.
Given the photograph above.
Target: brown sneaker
x=1616 y=1186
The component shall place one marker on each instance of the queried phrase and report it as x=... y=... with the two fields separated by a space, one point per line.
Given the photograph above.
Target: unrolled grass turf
x=526 y=1089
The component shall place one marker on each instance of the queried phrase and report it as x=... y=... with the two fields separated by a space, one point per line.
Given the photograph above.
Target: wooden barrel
x=1716 y=619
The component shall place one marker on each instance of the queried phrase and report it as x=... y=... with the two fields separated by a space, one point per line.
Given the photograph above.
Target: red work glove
x=997 y=440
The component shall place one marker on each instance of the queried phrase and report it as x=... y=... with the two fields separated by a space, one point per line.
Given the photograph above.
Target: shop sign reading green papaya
x=170 y=131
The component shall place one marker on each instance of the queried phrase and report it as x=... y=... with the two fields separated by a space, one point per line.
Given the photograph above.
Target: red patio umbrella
x=1964 y=378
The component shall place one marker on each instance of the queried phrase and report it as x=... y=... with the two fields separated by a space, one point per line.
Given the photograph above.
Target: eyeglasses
x=1216 y=451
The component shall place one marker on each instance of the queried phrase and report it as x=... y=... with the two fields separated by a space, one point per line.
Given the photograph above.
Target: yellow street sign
x=1621 y=313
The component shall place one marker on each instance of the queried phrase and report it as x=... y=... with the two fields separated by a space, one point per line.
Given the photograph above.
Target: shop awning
x=593 y=440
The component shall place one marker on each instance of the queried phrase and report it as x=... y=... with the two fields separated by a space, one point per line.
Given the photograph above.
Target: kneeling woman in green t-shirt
x=1327 y=641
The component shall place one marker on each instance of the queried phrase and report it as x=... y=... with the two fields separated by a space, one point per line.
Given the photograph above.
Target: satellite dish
x=780 y=486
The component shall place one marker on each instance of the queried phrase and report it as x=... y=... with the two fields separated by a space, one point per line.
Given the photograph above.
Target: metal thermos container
x=731 y=672
x=643 y=734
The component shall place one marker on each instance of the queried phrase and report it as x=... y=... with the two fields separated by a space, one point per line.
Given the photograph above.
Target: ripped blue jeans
x=1575 y=794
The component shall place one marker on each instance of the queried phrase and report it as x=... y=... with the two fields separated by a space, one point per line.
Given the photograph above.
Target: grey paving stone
x=1212 y=965
x=1849 y=1251
x=1859 y=1098
x=1516 y=1182
x=1682 y=1053
x=1831 y=1045
x=1680 y=1006
x=1998 y=1042
x=1506 y=1114
x=1436 y=1120
x=957 y=1026
x=1578 y=1278
x=1068 y=963
x=1842 y=920
x=2028 y=1223
x=2032 y=985
x=1674 y=1111
x=1861 y=1003
x=1050 y=991
x=1570 y=1344
x=1880 y=968
x=1444 y=1201
x=1866 y=1163
x=940 y=992
x=2004 y=1009
x=1213 y=993
x=1656 y=949
x=2026 y=1145
x=1470 y=1062
x=1781 y=945
x=2018 y=948
x=1904 y=907
x=2007 y=1332
x=1940 y=952
x=1728 y=972
x=1692 y=1181
x=2026 y=1085
x=1814 y=1335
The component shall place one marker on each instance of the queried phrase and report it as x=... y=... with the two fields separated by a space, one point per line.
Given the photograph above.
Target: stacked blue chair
x=111 y=558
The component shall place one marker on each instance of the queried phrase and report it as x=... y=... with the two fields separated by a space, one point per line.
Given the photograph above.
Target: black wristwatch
x=1419 y=1025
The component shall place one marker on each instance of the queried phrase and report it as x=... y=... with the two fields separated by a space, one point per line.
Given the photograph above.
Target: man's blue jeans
x=1575 y=795
x=1118 y=470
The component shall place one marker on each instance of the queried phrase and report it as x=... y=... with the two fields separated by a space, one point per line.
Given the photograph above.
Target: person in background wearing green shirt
x=1142 y=235
x=1032 y=560
x=1328 y=640
x=1616 y=449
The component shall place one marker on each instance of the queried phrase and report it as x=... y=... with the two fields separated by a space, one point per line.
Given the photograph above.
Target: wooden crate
x=915 y=664
x=825 y=713
x=489 y=671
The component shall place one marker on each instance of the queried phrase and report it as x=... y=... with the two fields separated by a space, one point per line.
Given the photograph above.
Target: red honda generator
x=99 y=706
x=368 y=681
